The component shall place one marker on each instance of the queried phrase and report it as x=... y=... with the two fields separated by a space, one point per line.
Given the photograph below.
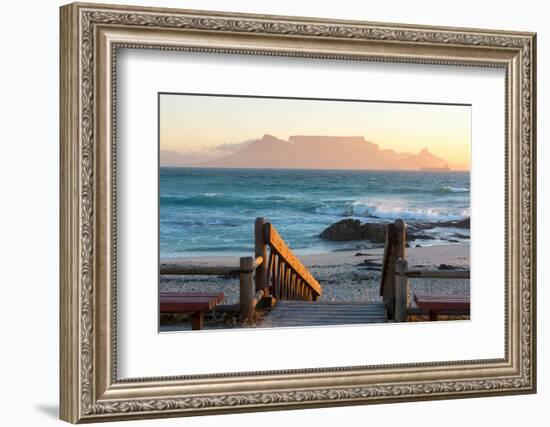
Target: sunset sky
x=195 y=124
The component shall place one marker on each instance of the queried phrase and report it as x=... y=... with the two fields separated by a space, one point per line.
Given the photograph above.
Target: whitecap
x=456 y=189
x=397 y=209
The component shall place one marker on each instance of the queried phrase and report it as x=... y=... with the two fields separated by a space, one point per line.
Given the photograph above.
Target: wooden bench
x=195 y=303
x=449 y=304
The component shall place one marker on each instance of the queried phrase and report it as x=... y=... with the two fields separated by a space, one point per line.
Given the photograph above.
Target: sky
x=195 y=124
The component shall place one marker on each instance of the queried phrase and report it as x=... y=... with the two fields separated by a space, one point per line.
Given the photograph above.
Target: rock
x=460 y=236
x=370 y=263
x=420 y=236
x=352 y=229
x=371 y=268
x=346 y=229
x=374 y=232
x=463 y=223
x=427 y=225
x=418 y=246
x=447 y=267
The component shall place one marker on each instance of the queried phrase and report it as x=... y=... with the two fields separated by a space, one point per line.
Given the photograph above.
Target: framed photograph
x=266 y=212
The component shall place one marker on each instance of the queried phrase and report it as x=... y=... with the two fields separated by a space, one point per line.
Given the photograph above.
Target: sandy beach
x=351 y=275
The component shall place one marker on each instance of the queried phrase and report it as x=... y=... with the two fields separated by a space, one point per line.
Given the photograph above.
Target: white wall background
x=29 y=171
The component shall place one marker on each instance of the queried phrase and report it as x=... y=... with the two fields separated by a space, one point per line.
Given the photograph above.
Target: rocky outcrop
x=447 y=267
x=426 y=225
x=463 y=223
x=352 y=229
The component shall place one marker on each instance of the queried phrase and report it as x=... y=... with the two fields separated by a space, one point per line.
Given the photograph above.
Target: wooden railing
x=402 y=292
x=286 y=278
x=279 y=274
x=248 y=297
x=394 y=282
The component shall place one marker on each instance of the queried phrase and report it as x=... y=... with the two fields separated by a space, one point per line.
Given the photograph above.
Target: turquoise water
x=212 y=211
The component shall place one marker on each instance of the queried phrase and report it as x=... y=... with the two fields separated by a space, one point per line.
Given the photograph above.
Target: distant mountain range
x=316 y=152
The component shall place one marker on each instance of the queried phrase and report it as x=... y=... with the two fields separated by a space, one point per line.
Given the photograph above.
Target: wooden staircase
x=276 y=285
x=279 y=288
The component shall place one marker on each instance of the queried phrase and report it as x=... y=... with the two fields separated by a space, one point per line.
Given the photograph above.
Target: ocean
x=211 y=212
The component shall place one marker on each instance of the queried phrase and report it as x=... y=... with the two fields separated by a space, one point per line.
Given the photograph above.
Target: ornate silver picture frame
x=91 y=37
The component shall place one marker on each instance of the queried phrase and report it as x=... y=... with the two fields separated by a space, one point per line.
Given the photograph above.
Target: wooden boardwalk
x=280 y=277
x=304 y=313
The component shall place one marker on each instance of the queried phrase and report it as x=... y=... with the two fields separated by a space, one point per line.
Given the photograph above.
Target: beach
x=333 y=221
x=347 y=275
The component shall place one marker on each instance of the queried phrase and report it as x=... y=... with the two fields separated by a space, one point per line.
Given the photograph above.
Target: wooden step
x=302 y=313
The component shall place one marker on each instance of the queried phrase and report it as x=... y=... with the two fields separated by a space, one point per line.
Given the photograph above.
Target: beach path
x=303 y=313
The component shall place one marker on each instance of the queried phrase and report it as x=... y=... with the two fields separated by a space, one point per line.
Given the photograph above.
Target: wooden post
x=197 y=320
x=260 y=249
x=401 y=291
x=389 y=273
x=398 y=252
x=246 y=282
x=269 y=274
x=400 y=239
x=275 y=290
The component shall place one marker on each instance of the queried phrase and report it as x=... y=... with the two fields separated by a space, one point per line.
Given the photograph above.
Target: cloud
x=233 y=147
x=177 y=158
x=192 y=157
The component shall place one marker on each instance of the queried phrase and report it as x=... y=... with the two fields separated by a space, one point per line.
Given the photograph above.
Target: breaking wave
x=388 y=209
x=448 y=189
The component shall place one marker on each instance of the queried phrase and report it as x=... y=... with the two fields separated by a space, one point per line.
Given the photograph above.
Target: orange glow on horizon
x=200 y=124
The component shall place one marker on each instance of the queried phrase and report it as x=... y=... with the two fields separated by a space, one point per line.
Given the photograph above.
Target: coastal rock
x=346 y=229
x=415 y=227
x=352 y=229
x=369 y=263
x=463 y=223
x=418 y=236
x=447 y=267
x=460 y=236
x=374 y=232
